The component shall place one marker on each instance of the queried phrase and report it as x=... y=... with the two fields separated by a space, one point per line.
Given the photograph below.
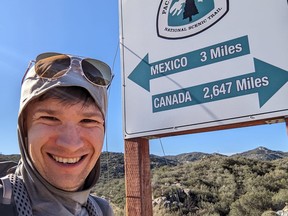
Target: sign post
x=192 y=66
x=137 y=177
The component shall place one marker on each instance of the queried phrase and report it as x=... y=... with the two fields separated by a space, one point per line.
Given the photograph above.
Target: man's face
x=64 y=141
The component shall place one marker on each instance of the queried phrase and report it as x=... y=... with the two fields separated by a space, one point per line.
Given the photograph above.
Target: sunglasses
x=51 y=66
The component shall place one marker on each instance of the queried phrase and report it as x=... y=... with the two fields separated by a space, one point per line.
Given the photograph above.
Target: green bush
x=280 y=199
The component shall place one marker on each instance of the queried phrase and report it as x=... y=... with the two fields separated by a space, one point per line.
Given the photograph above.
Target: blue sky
x=91 y=28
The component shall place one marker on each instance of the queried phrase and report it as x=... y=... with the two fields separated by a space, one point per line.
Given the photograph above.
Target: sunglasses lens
x=55 y=65
x=52 y=65
x=97 y=72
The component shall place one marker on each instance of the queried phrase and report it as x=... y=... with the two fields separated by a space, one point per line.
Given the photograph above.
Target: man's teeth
x=66 y=160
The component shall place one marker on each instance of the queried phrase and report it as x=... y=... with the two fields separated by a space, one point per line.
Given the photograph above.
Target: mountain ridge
x=259 y=153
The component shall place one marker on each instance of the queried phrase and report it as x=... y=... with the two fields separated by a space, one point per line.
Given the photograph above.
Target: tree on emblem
x=190 y=9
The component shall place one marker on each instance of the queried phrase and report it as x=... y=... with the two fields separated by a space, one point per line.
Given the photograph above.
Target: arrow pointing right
x=266 y=81
x=277 y=78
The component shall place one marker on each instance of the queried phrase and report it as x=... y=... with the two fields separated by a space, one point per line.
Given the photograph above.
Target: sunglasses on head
x=54 y=65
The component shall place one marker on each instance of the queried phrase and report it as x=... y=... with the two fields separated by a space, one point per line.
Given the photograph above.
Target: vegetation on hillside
x=221 y=186
x=213 y=185
x=196 y=184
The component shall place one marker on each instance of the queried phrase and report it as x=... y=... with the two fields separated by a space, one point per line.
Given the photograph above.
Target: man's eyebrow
x=92 y=114
x=86 y=114
x=46 y=110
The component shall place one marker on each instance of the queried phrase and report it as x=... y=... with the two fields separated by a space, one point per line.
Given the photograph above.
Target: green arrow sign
x=266 y=81
x=145 y=71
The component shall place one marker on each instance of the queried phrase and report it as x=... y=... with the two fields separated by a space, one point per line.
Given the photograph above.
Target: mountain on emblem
x=178 y=19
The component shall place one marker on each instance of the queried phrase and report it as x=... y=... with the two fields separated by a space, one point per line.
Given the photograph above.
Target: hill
x=262 y=153
x=13 y=157
x=116 y=160
x=188 y=157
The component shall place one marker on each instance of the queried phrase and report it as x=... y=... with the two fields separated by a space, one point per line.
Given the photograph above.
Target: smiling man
x=61 y=129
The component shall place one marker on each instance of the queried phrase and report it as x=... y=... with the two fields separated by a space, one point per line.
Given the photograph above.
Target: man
x=61 y=127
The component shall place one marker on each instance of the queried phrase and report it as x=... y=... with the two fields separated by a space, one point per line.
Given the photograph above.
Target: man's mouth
x=66 y=160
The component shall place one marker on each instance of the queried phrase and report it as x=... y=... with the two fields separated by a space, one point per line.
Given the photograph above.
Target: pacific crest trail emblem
x=178 y=19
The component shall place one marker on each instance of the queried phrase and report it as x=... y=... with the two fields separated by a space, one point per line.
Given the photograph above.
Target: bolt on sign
x=196 y=64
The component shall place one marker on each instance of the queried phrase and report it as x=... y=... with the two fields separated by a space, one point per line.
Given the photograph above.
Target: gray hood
x=46 y=199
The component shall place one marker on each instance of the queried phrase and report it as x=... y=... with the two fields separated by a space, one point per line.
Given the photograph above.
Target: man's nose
x=69 y=137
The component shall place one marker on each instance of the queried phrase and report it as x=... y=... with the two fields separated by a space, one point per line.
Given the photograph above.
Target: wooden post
x=137 y=178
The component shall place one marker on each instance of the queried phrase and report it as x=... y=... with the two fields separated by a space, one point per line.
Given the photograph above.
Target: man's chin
x=68 y=187
x=68 y=183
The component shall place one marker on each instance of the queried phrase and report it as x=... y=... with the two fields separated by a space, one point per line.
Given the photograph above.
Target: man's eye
x=91 y=122
x=88 y=121
x=49 y=118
